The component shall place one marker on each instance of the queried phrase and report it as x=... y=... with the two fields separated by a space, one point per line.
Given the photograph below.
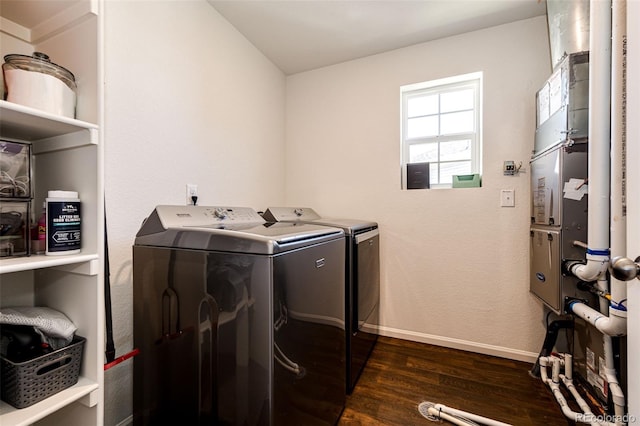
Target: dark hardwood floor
x=400 y=374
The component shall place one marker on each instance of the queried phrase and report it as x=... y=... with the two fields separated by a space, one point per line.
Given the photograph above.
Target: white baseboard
x=448 y=342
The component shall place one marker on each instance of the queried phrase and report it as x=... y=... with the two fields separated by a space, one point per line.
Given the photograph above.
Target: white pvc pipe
x=599 y=123
x=607 y=82
x=587 y=415
x=555 y=370
x=618 y=227
x=600 y=78
x=613 y=325
x=599 y=137
x=586 y=410
x=467 y=415
x=618 y=145
x=441 y=415
x=633 y=200
x=555 y=390
x=617 y=396
x=568 y=366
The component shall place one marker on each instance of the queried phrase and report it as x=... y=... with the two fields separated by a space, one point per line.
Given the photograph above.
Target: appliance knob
x=220 y=213
x=298 y=212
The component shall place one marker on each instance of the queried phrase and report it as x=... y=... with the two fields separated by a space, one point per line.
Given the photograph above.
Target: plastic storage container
x=25 y=383
x=36 y=82
x=466 y=181
x=63 y=223
x=14 y=228
x=15 y=170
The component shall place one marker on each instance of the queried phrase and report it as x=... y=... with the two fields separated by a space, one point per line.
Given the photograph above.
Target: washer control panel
x=198 y=216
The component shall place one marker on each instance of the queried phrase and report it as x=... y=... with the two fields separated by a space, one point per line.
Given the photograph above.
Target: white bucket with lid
x=36 y=82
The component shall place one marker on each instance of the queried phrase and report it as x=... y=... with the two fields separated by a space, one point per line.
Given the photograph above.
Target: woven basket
x=23 y=384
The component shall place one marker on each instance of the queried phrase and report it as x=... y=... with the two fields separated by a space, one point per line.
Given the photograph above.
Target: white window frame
x=471 y=80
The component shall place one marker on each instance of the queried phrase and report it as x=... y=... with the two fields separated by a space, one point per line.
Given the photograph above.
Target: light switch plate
x=507 y=198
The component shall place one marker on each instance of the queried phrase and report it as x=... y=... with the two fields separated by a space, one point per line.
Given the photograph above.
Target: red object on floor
x=121 y=359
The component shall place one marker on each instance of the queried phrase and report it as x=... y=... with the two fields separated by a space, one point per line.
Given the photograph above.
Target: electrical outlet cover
x=507 y=198
x=192 y=190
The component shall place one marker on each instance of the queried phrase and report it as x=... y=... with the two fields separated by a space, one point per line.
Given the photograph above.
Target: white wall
x=188 y=100
x=454 y=264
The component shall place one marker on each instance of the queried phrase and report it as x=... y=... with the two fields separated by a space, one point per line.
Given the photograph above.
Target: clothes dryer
x=362 y=279
x=238 y=322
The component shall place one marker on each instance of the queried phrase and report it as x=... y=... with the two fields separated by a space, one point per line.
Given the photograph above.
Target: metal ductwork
x=568 y=23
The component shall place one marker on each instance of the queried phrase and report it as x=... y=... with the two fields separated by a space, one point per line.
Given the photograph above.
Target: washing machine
x=238 y=321
x=362 y=281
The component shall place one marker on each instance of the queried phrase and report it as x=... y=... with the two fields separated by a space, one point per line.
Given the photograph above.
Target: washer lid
x=350 y=226
x=234 y=229
x=308 y=215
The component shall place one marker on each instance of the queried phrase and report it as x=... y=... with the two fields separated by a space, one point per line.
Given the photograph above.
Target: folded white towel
x=53 y=326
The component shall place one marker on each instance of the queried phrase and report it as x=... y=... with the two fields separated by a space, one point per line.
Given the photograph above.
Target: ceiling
x=33 y=12
x=300 y=35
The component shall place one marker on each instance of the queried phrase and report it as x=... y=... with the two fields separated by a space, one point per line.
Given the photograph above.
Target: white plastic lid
x=62 y=194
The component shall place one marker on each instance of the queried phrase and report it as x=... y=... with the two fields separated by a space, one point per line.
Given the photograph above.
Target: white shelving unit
x=67 y=155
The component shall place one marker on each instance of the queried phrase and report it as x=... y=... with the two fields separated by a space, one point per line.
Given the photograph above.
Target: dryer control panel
x=288 y=214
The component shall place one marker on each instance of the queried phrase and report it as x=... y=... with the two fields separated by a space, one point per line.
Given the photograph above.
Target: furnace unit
x=558 y=222
x=559 y=173
x=559 y=206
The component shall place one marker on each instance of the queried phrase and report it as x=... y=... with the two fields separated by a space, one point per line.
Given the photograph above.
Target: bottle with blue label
x=63 y=223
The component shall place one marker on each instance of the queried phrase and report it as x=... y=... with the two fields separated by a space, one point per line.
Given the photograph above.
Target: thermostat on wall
x=509 y=168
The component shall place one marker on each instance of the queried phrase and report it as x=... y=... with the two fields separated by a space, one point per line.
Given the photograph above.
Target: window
x=441 y=125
